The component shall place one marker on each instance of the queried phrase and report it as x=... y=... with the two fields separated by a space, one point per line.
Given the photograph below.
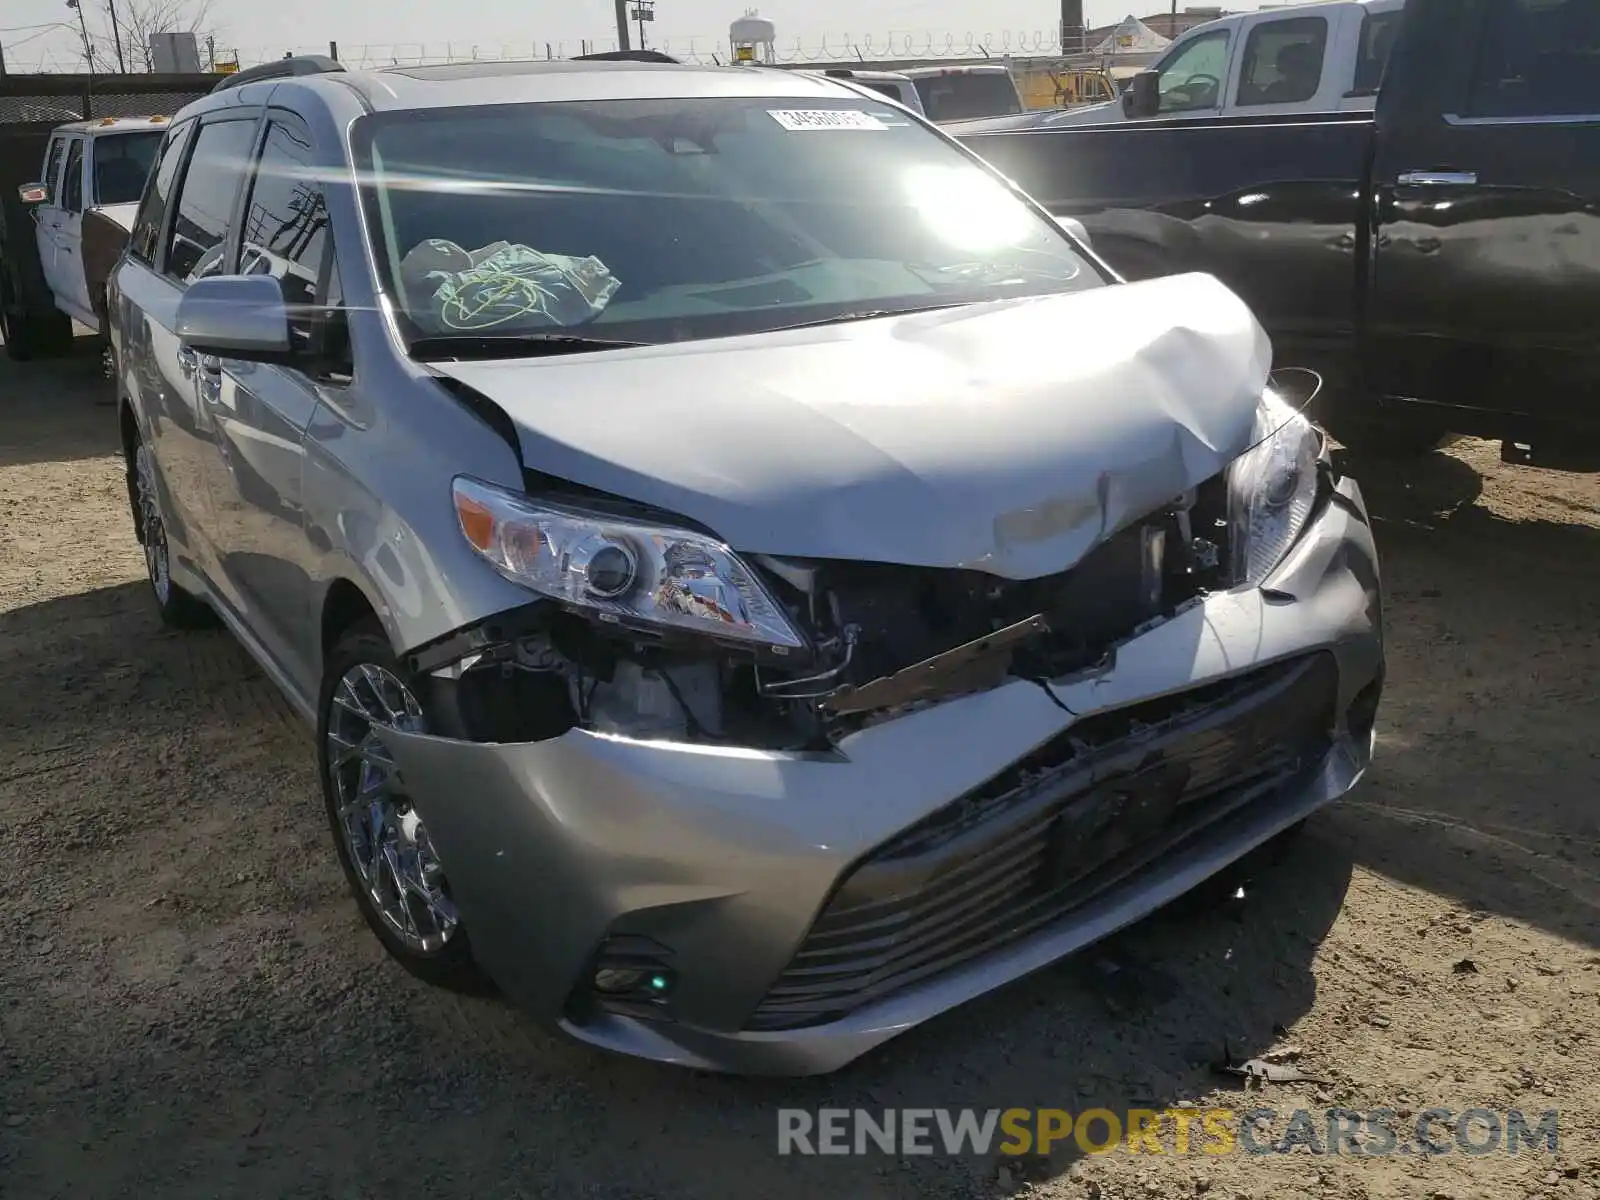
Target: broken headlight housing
x=1272 y=489
x=622 y=570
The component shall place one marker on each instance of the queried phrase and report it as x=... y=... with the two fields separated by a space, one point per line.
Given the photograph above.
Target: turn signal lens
x=477 y=522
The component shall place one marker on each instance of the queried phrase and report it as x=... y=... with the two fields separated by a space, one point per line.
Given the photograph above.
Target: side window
x=72 y=177
x=1538 y=58
x=52 y=169
x=286 y=218
x=1378 y=32
x=205 y=200
x=287 y=234
x=1191 y=77
x=146 y=236
x=1283 y=61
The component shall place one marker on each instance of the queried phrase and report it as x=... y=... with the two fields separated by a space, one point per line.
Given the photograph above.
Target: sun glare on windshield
x=968 y=209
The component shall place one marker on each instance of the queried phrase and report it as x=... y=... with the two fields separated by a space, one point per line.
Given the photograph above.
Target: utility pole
x=1072 y=31
x=643 y=10
x=622 y=24
x=116 y=34
x=1172 y=22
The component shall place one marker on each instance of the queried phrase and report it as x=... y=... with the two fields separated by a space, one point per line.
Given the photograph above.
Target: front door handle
x=1437 y=178
x=187 y=361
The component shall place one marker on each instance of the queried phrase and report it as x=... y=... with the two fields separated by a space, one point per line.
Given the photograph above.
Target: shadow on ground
x=1485 y=783
x=191 y=1007
x=204 y=971
x=57 y=410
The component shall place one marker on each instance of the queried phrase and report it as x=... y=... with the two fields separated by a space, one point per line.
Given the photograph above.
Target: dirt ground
x=190 y=1006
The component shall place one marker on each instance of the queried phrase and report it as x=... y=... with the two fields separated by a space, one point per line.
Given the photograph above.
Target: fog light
x=617 y=979
x=622 y=981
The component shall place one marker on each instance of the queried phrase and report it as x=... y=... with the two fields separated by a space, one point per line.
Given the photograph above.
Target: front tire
x=389 y=862
x=1396 y=442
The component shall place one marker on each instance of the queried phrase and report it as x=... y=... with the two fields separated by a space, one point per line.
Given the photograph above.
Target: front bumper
x=810 y=913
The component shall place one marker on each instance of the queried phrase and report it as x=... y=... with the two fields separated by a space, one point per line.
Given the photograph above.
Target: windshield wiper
x=511 y=345
x=868 y=314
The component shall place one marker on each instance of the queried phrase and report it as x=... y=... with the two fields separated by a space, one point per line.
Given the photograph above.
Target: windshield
x=968 y=95
x=669 y=220
x=121 y=163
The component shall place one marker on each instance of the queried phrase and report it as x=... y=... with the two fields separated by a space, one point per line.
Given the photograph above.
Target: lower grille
x=1113 y=794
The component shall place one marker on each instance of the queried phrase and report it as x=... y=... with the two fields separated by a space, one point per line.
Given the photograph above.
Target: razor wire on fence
x=892 y=45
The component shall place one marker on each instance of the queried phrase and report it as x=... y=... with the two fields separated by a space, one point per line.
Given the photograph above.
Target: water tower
x=752 y=37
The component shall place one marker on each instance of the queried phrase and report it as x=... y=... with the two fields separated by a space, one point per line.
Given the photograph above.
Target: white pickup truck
x=1326 y=57
x=83 y=205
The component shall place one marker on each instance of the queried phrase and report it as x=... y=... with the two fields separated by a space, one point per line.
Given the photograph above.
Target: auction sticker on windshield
x=799 y=119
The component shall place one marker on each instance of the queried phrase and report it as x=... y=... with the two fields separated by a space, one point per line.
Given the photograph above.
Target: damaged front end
x=651 y=631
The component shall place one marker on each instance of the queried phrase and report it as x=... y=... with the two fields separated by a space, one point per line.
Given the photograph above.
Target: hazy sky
x=266 y=28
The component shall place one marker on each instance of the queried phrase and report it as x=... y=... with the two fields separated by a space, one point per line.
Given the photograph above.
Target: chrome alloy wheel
x=151 y=527
x=383 y=835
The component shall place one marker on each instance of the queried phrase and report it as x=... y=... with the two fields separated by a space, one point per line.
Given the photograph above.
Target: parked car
x=82 y=204
x=966 y=91
x=1440 y=263
x=894 y=84
x=1326 y=57
x=745 y=644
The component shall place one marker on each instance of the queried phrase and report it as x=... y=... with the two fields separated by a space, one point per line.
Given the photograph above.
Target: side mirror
x=1073 y=227
x=1143 y=97
x=237 y=316
x=33 y=193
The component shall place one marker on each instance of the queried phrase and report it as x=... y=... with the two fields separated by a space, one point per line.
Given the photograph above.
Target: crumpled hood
x=1009 y=437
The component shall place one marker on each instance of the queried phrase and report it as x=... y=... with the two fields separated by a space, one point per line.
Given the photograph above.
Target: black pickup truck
x=1438 y=261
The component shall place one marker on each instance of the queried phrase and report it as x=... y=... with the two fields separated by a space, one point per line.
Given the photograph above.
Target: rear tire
x=46 y=335
x=178 y=608
x=388 y=861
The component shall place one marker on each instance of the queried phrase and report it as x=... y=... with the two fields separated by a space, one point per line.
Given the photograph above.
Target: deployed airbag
x=502 y=284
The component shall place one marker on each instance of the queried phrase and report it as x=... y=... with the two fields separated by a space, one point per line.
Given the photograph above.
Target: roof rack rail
x=652 y=56
x=282 y=68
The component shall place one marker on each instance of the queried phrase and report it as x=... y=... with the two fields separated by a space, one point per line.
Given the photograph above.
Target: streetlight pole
x=83 y=28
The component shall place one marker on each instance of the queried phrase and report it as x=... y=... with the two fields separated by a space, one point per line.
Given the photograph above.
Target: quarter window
x=1283 y=61
x=152 y=216
x=198 y=245
x=1538 y=58
x=1192 y=76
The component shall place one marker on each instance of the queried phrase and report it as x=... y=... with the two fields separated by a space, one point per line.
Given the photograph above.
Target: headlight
x=1272 y=489
x=625 y=572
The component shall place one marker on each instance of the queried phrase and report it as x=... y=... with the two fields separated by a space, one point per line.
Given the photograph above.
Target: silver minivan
x=758 y=582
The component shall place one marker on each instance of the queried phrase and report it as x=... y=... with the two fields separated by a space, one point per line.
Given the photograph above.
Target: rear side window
x=206 y=198
x=967 y=95
x=152 y=216
x=52 y=169
x=1283 y=61
x=1378 y=32
x=72 y=178
x=1538 y=58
